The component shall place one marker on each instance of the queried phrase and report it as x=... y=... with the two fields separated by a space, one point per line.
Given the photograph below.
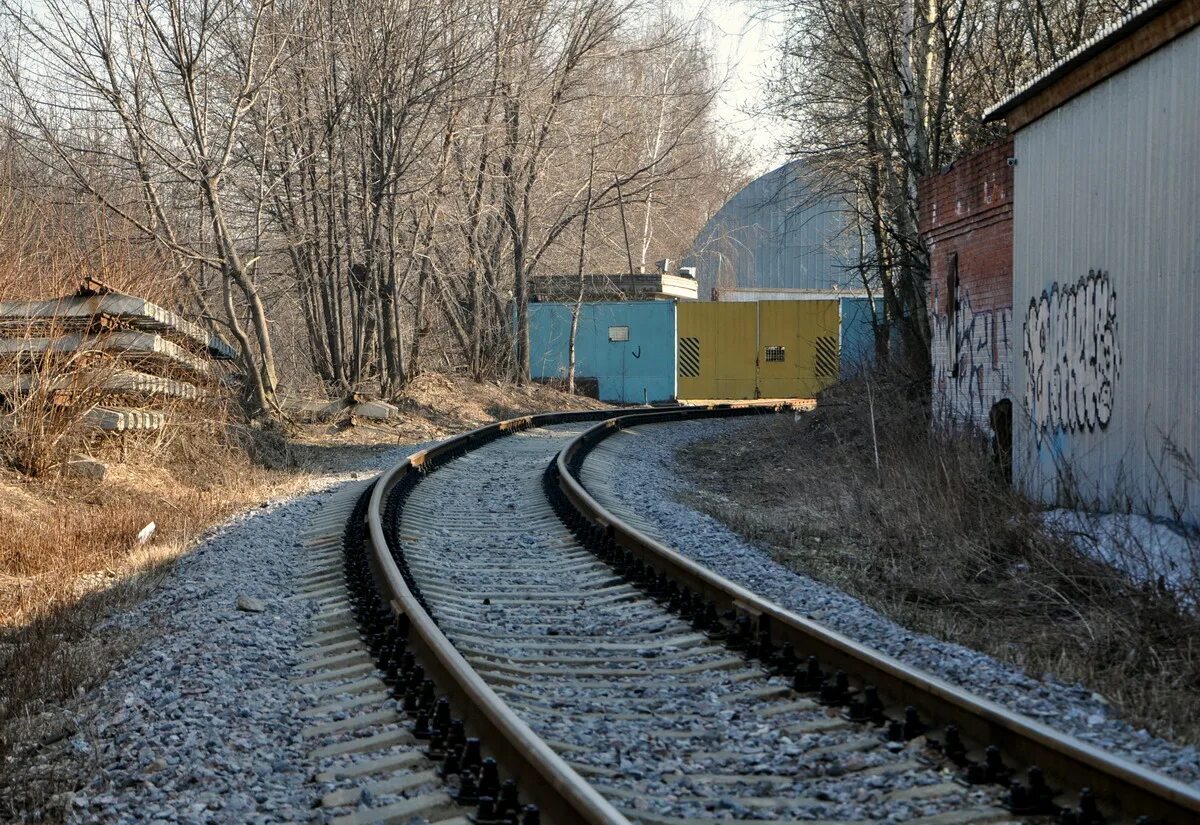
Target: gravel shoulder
x=203 y=723
x=652 y=489
x=664 y=722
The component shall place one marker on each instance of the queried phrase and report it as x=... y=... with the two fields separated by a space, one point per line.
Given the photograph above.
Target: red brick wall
x=966 y=215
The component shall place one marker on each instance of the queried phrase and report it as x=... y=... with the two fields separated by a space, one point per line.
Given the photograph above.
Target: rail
x=544 y=777
x=1130 y=788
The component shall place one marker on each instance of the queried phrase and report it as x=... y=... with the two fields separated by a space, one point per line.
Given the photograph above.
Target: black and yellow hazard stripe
x=689 y=357
x=826 y=357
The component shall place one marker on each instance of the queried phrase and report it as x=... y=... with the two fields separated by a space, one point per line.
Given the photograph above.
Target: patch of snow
x=1148 y=551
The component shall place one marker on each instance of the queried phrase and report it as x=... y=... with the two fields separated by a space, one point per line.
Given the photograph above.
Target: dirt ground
x=432 y=406
x=70 y=556
x=922 y=527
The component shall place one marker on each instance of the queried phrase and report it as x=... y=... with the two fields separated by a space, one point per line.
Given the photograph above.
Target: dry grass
x=435 y=405
x=69 y=557
x=932 y=537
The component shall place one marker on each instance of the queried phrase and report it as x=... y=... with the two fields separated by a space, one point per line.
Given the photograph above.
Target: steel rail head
x=1132 y=789
x=562 y=795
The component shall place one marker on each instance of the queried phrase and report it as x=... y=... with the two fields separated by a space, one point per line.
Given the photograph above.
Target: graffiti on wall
x=971 y=352
x=1072 y=356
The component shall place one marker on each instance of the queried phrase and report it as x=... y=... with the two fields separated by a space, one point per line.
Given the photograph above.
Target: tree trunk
x=516 y=234
x=577 y=308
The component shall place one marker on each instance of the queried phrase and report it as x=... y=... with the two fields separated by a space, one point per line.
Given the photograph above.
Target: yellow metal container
x=763 y=349
x=716 y=350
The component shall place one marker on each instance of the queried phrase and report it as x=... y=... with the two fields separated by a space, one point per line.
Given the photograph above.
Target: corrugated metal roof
x=1106 y=37
x=777 y=233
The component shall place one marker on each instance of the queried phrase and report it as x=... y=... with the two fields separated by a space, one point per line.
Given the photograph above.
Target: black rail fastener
x=765 y=648
x=951 y=745
x=866 y=708
x=710 y=620
x=489 y=778
x=468 y=790
x=452 y=764
x=436 y=749
x=509 y=803
x=412 y=698
x=992 y=771
x=1089 y=814
x=422 y=728
x=531 y=816
x=441 y=717
x=835 y=691
x=486 y=813
x=743 y=632
x=471 y=757
x=911 y=727
x=427 y=697
x=457 y=737
x=393 y=664
x=1032 y=799
x=677 y=600
x=810 y=679
x=914 y=726
x=785 y=662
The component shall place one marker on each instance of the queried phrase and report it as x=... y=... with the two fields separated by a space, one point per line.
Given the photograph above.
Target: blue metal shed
x=858 y=334
x=627 y=347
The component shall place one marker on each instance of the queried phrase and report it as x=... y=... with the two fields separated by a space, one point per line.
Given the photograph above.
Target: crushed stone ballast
x=560 y=663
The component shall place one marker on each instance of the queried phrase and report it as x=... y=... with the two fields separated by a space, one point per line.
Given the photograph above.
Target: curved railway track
x=528 y=633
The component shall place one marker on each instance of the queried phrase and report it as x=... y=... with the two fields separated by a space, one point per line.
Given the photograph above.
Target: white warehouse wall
x=1106 y=290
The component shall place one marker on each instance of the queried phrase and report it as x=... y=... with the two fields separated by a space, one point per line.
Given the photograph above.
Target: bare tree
x=881 y=94
x=158 y=96
x=375 y=181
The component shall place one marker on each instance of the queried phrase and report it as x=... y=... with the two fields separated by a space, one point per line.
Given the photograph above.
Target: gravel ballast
x=649 y=490
x=662 y=720
x=203 y=722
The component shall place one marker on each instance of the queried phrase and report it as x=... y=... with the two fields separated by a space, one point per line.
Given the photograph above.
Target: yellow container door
x=798 y=347
x=717 y=348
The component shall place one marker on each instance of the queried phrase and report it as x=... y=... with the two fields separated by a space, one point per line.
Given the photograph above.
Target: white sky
x=743 y=49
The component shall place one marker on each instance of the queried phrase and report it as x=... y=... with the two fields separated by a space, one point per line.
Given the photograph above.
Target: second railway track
x=618 y=682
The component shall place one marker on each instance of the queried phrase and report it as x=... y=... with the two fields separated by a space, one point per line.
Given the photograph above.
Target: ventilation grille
x=775 y=353
x=689 y=357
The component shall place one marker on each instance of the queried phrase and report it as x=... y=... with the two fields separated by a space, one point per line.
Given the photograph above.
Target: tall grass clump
x=919 y=521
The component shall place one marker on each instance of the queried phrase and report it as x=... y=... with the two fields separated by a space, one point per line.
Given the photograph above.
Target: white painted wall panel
x=1111 y=182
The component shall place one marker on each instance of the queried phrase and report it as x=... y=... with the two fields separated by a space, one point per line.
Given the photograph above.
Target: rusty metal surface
x=1125 y=786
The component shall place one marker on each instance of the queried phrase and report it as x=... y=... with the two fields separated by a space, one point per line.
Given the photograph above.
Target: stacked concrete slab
x=101 y=345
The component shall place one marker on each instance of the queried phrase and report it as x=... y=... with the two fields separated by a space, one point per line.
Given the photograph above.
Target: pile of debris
x=358 y=405
x=116 y=354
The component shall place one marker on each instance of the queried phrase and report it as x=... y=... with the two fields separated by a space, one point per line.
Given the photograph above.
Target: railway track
x=544 y=656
